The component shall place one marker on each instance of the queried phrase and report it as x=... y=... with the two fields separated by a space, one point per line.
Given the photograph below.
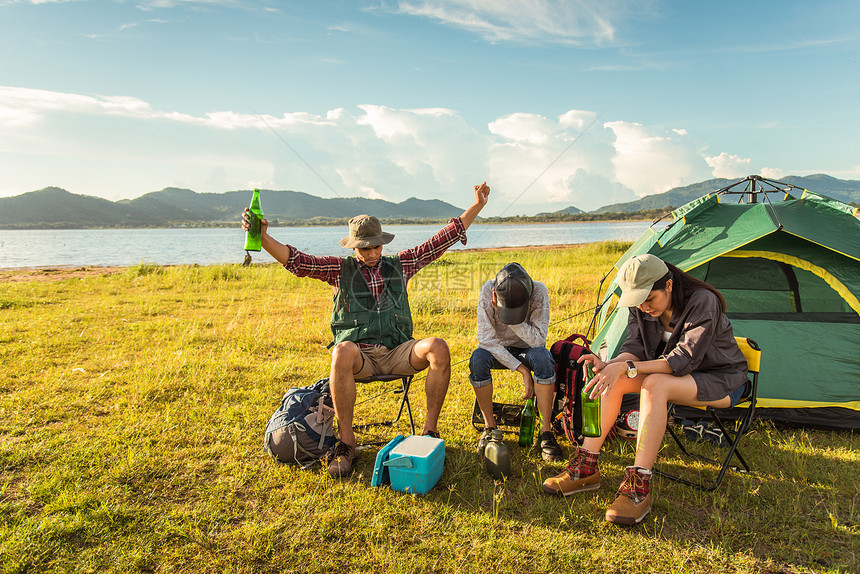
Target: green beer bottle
x=590 y=408
x=253 y=237
x=527 y=424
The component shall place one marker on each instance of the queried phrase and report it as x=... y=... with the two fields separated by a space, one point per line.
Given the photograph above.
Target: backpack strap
x=297 y=447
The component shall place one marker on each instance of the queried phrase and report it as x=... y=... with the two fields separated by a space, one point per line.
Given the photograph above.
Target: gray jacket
x=702 y=344
x=494 y=336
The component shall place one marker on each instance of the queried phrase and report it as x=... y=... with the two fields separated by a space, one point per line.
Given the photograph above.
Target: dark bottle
x=527 y=424
x=253 y=237
x=590 y=408
x=497 y=459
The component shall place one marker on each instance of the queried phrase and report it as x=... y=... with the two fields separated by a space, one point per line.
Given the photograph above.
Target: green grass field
x=132 y=408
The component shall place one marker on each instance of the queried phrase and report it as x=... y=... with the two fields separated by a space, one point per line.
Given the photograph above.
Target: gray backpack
x=301 y=430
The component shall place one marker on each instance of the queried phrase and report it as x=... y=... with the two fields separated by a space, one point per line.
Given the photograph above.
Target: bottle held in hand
x=590 y=408
x=253 y=237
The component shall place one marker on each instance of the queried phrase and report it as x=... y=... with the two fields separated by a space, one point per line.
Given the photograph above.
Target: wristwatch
x=631 y=370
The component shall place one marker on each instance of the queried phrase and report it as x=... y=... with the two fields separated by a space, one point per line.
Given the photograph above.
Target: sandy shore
x=53 y=273
x=58 y=273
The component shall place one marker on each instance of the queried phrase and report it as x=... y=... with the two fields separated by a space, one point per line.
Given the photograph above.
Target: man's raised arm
x=276 y=249
x=482 y=193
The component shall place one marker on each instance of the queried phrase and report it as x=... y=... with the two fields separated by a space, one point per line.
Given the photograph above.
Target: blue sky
x=553 y=103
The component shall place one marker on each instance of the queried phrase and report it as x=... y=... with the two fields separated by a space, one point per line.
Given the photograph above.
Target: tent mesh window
x=763 y=289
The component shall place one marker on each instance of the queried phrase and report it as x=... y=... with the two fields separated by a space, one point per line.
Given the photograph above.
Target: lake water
x=125 y=247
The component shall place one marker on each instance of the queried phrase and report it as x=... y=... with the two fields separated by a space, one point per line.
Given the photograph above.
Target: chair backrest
x=752 y=353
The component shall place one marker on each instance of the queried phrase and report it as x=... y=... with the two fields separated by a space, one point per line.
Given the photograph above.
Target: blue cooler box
x=412 y=464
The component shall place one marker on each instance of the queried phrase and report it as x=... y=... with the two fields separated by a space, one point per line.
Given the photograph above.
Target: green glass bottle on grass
x=590 y=408
x=527 y=424
x=253 y=237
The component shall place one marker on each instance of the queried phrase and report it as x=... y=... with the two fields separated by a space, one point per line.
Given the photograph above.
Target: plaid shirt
x=328 y=267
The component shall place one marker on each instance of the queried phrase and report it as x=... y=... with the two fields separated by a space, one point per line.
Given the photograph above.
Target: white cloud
x=148 y=5
x=728 y=165
x=32 y=105
x=771 y=172
x=653 y=160
x=559 y=21
x=35 y=2
x=119 y=146
x=546 y=164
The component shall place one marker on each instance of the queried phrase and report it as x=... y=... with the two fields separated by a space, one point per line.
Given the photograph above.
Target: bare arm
x=482 y=194
x=278 y=250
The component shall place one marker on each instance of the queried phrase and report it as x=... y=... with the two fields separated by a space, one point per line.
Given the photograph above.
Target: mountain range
x=56 y=208
x=846 y=190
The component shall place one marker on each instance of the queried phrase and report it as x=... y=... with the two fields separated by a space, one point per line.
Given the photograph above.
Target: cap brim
x=352 y=243
x=513 y=316
x=634 y=297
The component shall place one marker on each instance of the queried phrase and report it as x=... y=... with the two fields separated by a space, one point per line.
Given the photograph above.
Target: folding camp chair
x=402 y=389
x=508 y=417
x=752 y=353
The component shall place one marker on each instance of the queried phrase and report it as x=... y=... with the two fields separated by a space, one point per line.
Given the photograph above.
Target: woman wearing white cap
x=680 y=348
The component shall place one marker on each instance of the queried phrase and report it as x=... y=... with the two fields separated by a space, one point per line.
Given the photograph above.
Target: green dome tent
x=789 y=269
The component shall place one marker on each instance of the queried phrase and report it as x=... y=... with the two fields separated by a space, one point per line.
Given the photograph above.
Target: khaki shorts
x=384 y=361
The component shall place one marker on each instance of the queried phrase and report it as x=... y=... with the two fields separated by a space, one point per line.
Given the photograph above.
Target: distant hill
x=570 y=210
x=841 y=189
x=56 y=208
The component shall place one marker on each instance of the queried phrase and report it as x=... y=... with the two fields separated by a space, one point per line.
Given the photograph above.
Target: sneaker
x=341 y=460
x=581 y=475
x=549 y=448
x=634 y=498
x=692 y=431
x=433 y=434
x=715 y=436
x=485 y=439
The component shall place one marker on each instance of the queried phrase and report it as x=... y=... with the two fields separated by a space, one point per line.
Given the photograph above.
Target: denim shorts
x=537 y=359
x=739 y=393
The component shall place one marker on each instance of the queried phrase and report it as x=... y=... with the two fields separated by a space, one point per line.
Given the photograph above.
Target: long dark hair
x=683 y=285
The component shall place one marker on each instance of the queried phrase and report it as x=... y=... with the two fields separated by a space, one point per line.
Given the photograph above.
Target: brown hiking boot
x=341 y=460
x=634 y=498
x=580 y=475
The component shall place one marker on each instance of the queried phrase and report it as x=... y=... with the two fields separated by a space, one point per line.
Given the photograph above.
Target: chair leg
x=405 y=383
x=745 y=423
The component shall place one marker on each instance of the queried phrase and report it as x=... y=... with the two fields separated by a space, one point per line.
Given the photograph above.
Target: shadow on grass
x=796 y=511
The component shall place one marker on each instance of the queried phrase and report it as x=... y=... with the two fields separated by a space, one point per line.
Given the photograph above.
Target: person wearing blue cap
x=513 y=320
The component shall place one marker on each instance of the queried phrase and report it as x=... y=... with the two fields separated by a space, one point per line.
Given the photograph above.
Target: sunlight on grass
x=132 y=409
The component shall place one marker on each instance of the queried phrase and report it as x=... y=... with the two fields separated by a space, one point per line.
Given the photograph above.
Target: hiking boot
x=341 y=460
x=549 y=447
x=580 y=475
x=634 y=498
x=485 y=439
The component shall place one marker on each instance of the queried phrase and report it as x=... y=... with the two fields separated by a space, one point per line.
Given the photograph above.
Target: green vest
x=360 y=318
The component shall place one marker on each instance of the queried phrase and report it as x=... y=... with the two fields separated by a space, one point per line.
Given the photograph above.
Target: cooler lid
x=380 y=472
x=415 y=445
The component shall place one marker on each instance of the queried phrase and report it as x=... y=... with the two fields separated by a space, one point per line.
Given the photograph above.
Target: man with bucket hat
x=513 y=320
x=371 y=321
